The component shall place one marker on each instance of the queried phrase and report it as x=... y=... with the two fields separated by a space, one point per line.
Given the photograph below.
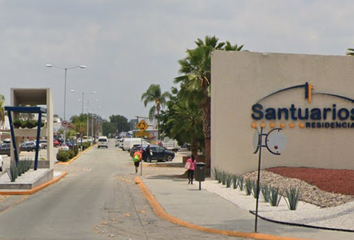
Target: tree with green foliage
x=183 y=121
x=120 y=123
x=108 y=128
x=79 y=124
x=195 y=76
x=350 y=52
x=154 y=95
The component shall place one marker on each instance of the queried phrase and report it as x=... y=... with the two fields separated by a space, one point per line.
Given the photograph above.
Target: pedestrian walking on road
x=137 y=159
x=190 y=165
x=147 y=154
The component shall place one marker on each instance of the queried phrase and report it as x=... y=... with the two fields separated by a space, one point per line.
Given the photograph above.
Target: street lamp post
x=92 y=132
x=65 y=70
x=82 y=109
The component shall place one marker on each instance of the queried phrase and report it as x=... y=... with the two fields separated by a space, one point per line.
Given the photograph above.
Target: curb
x=161 y=213
x=36 y=189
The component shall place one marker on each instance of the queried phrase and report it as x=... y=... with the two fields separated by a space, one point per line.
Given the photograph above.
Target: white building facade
x=310 y=97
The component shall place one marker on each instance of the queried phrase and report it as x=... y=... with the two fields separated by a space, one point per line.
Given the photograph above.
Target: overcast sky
x=129 y=45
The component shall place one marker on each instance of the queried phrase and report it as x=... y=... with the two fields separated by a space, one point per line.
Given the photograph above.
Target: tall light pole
x=65 y=70
x=82 y=108
x=93 y=135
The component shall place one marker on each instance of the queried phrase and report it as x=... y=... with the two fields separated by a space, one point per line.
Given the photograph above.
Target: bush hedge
x=63 y=155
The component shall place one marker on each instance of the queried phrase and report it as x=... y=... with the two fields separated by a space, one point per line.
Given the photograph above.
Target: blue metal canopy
x=22 y=109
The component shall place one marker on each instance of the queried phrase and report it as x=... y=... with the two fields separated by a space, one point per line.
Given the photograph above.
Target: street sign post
x=142 y=126
x=142 y=134
x=64 y=123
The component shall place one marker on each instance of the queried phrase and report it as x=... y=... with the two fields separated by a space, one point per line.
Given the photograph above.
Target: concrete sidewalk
x=176 y=201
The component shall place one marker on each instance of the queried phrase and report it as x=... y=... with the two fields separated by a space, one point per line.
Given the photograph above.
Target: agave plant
x=216 y=173
x=223 y=178
x=220 y=176
x=228 y=180
x=248 y=186
x=234 y=181
x=241 y=184
x=274 y=197
x=265 y=192
x=255 y=190
x=12 y=171
x=292 y=197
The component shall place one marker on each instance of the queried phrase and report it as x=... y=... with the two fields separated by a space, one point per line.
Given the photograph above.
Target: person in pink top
x=190 y=163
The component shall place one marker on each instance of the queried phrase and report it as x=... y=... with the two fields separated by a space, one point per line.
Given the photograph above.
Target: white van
x=130 y=142
x=102 y=142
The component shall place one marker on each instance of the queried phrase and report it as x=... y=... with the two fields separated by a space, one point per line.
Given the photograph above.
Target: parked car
x=28 y=146
x=43 y=143
x=56 y=143
x=118 y=140
x=64 y=147
x=160 y=153
x=5 y=149
x=1 y=163
x=121 y=143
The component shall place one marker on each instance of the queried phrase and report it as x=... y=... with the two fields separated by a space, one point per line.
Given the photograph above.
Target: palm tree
x=2 y=110
x=195 y=72
x=350 y=52
x=153 y=94
x=187 y=120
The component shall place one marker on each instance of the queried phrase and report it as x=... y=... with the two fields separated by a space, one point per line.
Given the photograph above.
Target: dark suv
x=161 y=154
x=5 y=149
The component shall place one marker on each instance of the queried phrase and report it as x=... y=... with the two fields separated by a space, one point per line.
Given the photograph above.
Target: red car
x=56 y=143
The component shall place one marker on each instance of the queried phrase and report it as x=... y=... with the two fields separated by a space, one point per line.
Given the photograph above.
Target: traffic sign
x=142 y=134
x=64 y=123
x=142 y=126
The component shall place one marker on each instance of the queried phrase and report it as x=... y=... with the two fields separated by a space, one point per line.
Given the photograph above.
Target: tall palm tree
x=153 y=95
x=195 y=72
x=350 y=52
x=2 y=110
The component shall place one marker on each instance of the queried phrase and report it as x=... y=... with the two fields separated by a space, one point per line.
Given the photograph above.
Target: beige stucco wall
x=240 y=79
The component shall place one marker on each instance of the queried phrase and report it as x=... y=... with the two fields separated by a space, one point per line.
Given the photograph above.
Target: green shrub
x=63 y=155
x=248 y=186
x=75 y=150
x=18 y=123
x=29 y=124
x=274 y=197
x=265 y=192
x=292 y=197
x=71 y=154
x=86 y=145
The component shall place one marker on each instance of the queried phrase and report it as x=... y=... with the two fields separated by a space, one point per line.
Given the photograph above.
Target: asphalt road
x=98 y=199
